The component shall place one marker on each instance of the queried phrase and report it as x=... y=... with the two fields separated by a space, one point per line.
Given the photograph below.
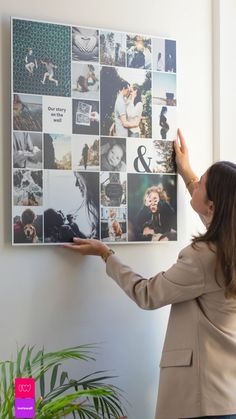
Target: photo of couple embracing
x=126 y=103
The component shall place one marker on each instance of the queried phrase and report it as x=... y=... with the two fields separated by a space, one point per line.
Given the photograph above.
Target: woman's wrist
x=108 y=252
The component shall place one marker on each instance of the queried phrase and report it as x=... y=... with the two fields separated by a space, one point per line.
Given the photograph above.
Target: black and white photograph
x=85 y=44
x=85 y=81
x=126 y=102
x=158 y=54
x=27 y=150
x=152 y=207
x=85 y=152
x=113 y=189
x=71 y=207
x=113 y=48
x=139 y=51
x=114 y=224
x=27 y=187
x=113 y=154
x=86 y=117
x=164 y=122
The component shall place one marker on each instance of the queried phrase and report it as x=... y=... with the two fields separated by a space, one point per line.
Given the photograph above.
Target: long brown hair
x=221 y=190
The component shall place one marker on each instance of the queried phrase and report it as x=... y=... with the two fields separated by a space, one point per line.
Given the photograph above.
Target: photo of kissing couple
x=126 y=102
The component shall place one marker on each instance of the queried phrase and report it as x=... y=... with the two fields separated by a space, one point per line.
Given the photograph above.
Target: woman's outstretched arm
x=183 y=163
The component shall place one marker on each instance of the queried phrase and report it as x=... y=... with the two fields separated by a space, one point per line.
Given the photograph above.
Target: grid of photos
x=93 y=124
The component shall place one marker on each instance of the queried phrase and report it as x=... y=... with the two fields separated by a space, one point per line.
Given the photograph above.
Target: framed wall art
x=93 y=123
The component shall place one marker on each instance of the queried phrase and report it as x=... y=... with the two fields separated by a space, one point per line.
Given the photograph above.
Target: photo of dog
x=27 y=227
x=30 y=233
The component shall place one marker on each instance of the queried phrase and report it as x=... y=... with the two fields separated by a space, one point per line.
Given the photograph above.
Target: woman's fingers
x=182 y=141
x=87 y=246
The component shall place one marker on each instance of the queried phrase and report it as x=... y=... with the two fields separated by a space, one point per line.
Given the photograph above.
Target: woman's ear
x=211 y=209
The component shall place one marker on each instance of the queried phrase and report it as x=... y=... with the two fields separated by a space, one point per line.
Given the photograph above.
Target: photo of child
x=139 y=51
x=113 y=154
x=152 y=207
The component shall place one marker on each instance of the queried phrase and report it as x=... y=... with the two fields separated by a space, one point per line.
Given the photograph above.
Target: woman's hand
x=183 y=163
x=87 y=246
x=181 y=154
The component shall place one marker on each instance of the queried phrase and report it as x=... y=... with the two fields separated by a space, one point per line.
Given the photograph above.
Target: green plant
x=56 y=394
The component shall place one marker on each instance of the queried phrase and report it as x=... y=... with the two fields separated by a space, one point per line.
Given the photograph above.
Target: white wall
x=224 y=39
x=54 y=298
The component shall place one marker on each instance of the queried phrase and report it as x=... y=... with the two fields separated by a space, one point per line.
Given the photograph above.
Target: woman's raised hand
x=182 y=159
x=87 y=246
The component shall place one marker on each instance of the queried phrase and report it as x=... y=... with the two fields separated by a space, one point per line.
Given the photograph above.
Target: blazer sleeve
x=184 y=281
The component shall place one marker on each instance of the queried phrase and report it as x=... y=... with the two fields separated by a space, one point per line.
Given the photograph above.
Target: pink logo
x=24 y=388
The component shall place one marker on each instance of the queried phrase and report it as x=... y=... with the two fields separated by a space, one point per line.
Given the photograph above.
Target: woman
x=134 y=110
x=80 y=218
x=163 y=123
x=198 y=369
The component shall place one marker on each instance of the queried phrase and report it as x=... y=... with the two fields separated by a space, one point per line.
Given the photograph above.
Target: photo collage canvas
x=93 y=124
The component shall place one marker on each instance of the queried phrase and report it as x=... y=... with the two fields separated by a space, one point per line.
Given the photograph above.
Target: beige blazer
x=198 y=363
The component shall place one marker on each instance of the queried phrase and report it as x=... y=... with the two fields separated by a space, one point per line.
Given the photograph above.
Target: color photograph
x=126 y=102
x=57 y=151
x=27 y=150
x=27 y=112
x=85 y=152
x=152 y=207
x=163 y=157
x=113 y=189
x=139 y=51
x=27 y=225
x=113 y=224
x=170 y=56
x=28 y=187
x=41 y=58
x=164 y=89
x=85 y=81
x=85 y=44
x=71 y=206
x=113 y=48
